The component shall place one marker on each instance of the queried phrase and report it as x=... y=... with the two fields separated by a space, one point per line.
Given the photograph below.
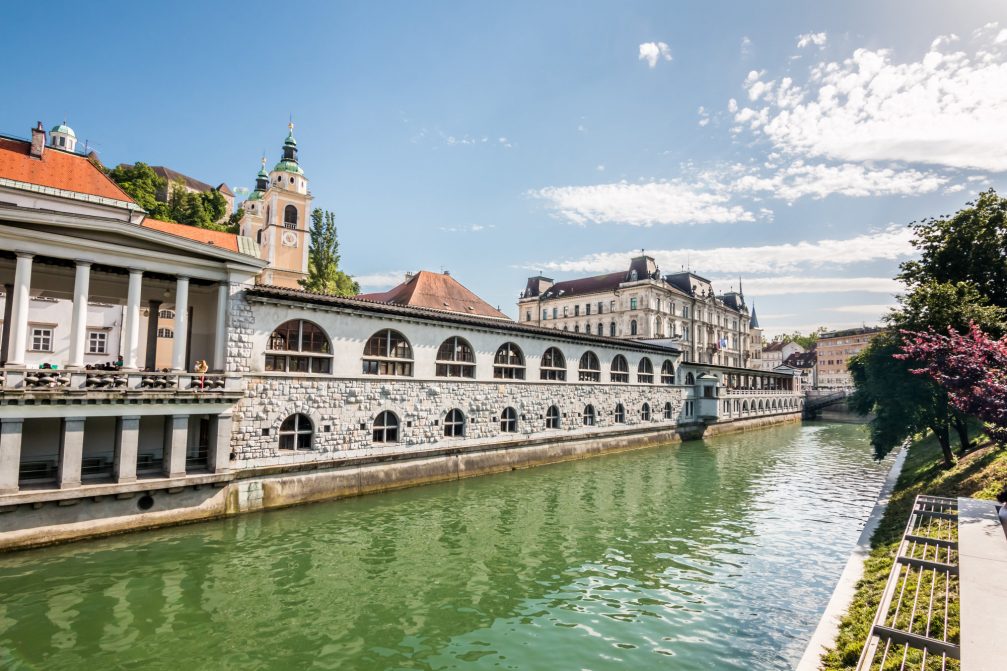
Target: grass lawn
x=981 y=474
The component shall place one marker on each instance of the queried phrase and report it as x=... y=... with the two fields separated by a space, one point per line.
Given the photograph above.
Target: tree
x=140 y=182
x=970 y=246
x=903 y=404
x=324 y=275
x=808 y=341
x=971 y=367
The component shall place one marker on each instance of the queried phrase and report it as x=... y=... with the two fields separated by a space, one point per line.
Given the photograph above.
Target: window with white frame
x=41 y=339
x=97 y=342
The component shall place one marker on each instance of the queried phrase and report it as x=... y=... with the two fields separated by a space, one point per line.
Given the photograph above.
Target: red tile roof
x=56 y=169
x=228 y=241
x=436 y=291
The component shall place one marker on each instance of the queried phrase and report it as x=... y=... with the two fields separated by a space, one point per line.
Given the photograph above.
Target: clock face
x=289 y=239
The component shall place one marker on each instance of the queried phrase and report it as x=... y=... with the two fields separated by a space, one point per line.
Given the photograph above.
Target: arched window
x=601 y=329
x=645 y=371
x=553 y=366
x=632 y=327
x=552 y=418
x=299 y=346
x=296 y=432
x=690 y=379
x=508 y=420
x=589 y=369
x=611 y=329
x=620 y=369
x=455 y=358
x=454 y=424
x=290 y=217
x=645 y=412
x=667 y=372
x=388 y=353
x=744 y=406
x=386 y=428
x=508 y=364
x=668 y=410
x=620 y=413
x=589 y=415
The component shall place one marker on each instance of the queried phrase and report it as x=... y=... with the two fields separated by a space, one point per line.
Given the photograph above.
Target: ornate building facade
x=642 y=304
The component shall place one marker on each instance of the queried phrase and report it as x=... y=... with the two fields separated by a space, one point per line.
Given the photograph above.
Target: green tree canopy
x=140 y=182
x=324 y=275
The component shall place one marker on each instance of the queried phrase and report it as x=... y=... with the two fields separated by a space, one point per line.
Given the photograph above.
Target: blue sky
x=496 y=140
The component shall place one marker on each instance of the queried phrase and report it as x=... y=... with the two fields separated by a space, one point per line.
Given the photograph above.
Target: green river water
x=717 y=554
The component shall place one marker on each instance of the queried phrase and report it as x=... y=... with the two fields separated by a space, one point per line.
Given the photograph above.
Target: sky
x=787 y=145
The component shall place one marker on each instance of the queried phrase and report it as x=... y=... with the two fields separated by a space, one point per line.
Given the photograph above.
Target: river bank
x=980 y=474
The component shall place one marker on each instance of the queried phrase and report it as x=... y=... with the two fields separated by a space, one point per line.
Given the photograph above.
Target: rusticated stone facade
x=343 y=411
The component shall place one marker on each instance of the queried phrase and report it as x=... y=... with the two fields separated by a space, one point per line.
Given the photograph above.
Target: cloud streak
x=653 y=52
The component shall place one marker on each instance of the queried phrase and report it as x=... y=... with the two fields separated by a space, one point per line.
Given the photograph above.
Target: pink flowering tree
x=971 y=367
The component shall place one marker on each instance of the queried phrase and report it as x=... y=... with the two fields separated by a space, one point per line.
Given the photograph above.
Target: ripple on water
x=715 y=554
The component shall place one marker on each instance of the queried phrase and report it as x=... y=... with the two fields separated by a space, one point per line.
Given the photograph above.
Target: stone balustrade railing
x=725 y=392
x=77 y=381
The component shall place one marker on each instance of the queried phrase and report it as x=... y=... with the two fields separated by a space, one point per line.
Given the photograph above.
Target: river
x=716 y=554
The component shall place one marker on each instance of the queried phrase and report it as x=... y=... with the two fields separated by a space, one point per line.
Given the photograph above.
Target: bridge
x=813 y=405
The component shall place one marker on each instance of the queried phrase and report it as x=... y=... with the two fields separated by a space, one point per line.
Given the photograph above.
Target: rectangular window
x=658 y=304
x=97 y=342
x=685 y=311
x=527 y=316
x=576 y=311
x=545 y=315
x=587 y=309
x=611 y=306
x=632 y=303
x=601 y=307
x=41 y=340
x=555 y=313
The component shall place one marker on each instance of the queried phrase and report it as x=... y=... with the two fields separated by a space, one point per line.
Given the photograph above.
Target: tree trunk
x=963 y=433
x=943 y=437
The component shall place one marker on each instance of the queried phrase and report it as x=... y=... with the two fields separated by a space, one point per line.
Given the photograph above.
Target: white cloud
x=652 y=52
x=786 y=285
x=798 y=179
x=600 y=167
x=704 y=116
x=890 y=244
x=808 y=39
x=944 y=109
x=872 y=309
x=746 y=46
x=379 y=281
x=659 y=202
x=473 y=228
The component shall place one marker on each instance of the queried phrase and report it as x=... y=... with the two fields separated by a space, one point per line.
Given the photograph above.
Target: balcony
x=40 y=384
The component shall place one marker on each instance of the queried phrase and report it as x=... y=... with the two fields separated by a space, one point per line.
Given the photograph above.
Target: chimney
x=37 y=141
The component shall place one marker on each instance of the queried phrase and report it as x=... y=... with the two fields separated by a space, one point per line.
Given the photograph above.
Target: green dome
x=63 y=128
x=262 y=172
x=255 y=195
x=288 y=166
x=290 y=138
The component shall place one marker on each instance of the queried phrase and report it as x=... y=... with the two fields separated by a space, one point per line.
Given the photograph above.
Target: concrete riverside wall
x=101 y=510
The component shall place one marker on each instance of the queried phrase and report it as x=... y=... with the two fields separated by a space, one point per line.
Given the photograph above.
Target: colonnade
x=16 y=324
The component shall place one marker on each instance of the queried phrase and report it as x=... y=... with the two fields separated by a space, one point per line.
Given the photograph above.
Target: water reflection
x=716 y=554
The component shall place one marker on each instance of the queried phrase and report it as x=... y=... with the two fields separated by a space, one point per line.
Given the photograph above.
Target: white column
x=78 y=323
x=10 y=454
x=126 y=445
x=220 y=335
x=178 y=361
x=132 y=319
x=220 y=444
x=71 y=451
x=176 y=440
x=19 y=312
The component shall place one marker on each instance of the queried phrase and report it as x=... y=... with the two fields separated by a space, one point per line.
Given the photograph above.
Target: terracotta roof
x=228 y=241
x=774 y=346
x=56 y=169
x=436 y=291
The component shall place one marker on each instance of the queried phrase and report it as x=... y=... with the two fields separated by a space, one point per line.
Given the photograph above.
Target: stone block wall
x=342 y=412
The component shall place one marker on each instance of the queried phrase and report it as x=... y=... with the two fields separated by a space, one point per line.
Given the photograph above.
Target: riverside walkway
x=943 y=602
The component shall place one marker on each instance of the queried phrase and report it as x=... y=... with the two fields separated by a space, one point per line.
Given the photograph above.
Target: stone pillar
x=8 y=305
x=19 y=298
x=127 y=441
x=10 y=454
x=132 y=320
x=178 y=361
x=150 y=352
x=219 y=457
x=176 y=439
x=220 y=335
x=71 y=450
x=78 y=322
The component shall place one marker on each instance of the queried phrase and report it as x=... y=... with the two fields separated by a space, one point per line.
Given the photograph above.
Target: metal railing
x=916 y=625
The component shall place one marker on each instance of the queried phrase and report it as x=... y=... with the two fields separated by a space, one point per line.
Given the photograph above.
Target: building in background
x=806 y=363
x=642 y=304
x=174 y=179
x=835 y=348
x=778 y=351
